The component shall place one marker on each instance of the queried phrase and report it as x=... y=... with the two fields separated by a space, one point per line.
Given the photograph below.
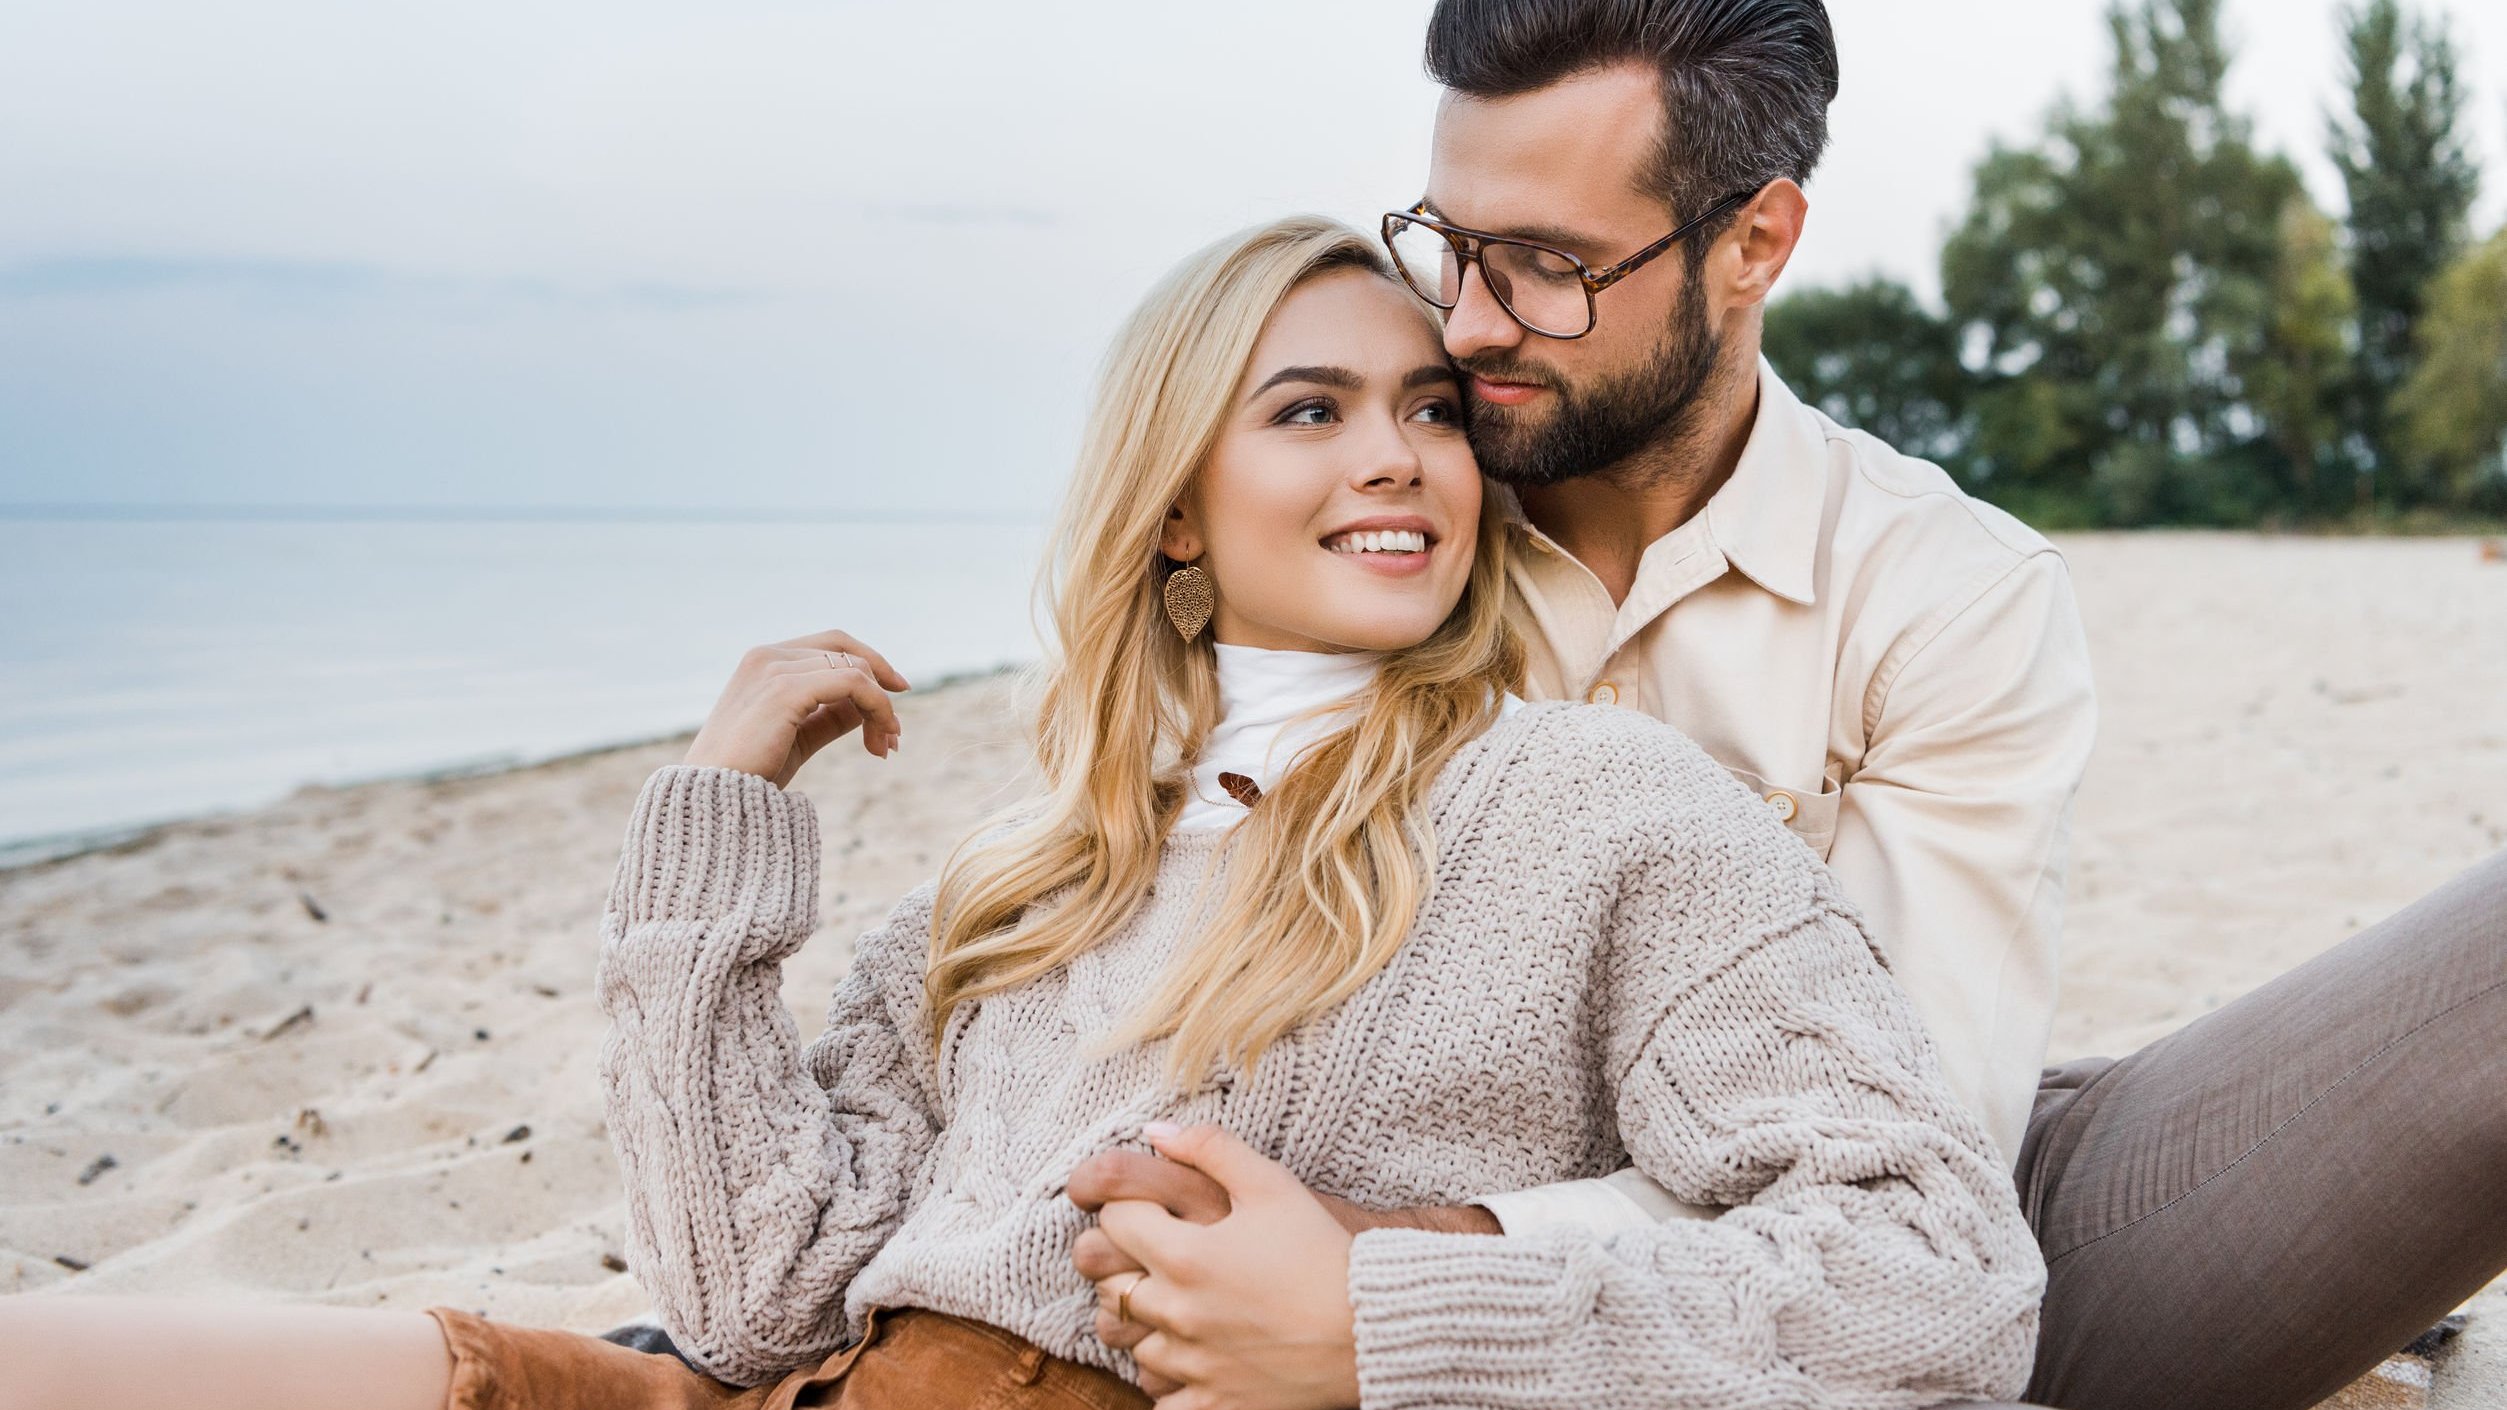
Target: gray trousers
x=2258 y=1208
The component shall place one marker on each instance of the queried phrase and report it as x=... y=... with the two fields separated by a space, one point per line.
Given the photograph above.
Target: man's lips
x=1504 y=393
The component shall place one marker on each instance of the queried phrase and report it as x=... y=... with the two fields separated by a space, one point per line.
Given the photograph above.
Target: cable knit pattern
x=1624 y=958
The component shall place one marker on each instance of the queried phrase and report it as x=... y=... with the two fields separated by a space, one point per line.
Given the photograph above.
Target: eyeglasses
x=1547 y=290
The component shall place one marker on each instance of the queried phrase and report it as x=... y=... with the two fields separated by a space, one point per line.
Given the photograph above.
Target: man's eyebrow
x=1537 y=234
x=1340 y=377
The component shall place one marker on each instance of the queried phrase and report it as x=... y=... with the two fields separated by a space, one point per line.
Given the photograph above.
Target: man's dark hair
x=1746 y=83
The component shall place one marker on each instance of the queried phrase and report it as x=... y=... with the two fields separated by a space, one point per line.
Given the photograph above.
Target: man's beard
x=1597 y=427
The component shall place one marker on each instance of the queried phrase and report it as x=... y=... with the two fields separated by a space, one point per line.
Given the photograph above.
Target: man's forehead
x=1570 y=156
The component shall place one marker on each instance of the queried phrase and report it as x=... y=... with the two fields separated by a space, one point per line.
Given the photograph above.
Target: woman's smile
x=1391 y=545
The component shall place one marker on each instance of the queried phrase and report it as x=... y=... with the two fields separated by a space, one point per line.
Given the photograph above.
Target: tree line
x=2146 y=319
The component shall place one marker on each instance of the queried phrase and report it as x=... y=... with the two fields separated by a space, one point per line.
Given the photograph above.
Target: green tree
x=2407 y=166
x=2117 y=281
x=2303 y=363
x=2451 y=413
x=1872 y=356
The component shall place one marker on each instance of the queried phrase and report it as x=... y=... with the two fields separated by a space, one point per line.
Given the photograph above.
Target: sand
x=341 y=1049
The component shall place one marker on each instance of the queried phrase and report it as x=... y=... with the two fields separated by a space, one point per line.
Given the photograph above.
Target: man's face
x=1563 y=166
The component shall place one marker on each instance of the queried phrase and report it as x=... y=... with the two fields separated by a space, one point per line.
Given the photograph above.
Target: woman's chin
x=1395 y=629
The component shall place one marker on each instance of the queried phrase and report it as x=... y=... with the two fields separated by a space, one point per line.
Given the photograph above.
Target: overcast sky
x=849 y=257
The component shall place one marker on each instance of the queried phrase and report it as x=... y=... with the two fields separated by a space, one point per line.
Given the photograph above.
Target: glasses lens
x=1426 y=260
x=1543 y=288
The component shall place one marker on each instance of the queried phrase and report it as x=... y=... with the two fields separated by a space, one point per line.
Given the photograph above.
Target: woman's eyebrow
x=1340 y=377
x=1429 y=375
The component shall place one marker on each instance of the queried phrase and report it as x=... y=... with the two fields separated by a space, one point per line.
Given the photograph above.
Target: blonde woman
x=1309 y=898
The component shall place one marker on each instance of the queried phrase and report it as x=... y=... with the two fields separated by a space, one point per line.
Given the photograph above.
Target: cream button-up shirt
x=1899 y=671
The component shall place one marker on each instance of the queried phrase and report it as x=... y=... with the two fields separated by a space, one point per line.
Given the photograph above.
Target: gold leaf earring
x=1189 y=600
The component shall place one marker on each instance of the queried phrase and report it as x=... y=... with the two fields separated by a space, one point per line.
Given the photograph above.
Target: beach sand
x=342 y=1049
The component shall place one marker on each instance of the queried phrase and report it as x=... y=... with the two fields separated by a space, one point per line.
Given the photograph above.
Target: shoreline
x=17 y=854
x=21 y=853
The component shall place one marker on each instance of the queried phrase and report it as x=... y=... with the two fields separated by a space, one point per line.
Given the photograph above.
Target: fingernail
x=1161 y=1130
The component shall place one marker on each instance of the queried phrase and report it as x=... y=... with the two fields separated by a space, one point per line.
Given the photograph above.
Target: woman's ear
x=1176 y=538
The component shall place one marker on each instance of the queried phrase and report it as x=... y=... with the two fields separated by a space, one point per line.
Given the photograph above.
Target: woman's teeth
x=1379 y=541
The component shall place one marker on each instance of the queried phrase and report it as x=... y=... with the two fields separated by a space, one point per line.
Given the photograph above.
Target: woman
x=1303 y=871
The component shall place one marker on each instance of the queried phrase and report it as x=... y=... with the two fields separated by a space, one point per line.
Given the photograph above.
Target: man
x=2253 y=1211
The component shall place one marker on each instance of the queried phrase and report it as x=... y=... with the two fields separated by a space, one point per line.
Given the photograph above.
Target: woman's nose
x=1388 y=457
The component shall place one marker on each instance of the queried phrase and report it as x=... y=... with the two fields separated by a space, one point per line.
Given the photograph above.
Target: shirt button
x=1784 y=805
x=1607 y=693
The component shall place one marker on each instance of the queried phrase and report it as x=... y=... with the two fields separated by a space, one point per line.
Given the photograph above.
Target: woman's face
x=1340 y=508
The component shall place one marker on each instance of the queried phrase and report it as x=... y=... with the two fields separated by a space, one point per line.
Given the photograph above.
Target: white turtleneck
x=1260 y=690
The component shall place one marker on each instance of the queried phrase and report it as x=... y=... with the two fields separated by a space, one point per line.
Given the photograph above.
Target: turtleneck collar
x=1261 y=691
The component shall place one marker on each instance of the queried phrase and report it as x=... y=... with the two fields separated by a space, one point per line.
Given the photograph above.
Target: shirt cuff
x=1624 y=1200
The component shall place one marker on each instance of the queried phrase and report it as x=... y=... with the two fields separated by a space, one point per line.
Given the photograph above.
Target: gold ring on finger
x=1123 y=1299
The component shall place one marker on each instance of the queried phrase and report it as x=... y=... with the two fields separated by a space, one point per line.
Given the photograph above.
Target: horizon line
x=542 y=513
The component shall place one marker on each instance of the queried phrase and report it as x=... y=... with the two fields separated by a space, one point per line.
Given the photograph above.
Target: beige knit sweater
x=1624 y=957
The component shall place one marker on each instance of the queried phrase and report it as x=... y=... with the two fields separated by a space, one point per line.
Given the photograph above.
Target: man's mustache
x=1499 y=369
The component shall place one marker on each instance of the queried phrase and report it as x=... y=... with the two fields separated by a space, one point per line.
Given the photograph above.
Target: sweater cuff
x=705 y=842
x=1464 y=1319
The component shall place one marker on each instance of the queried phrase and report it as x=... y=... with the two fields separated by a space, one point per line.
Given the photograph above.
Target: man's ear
x=1763 y=240
x=1177 y=538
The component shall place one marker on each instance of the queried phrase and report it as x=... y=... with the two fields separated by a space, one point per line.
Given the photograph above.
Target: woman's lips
x=1504 y=393
x=1392 y=565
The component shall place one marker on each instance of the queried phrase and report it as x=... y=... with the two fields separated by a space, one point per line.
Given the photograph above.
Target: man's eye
x=1306 y=413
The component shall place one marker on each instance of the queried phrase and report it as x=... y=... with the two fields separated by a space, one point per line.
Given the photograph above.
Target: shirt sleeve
x=760 y=1176
x=1953 y=834
x=1871 y=1251
x=1623 y=1200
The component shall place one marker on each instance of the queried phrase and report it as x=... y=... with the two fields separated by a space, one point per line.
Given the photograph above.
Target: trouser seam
x=2362 y=1065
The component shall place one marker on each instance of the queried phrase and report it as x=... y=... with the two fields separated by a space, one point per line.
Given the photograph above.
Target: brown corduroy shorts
x=908 y=1359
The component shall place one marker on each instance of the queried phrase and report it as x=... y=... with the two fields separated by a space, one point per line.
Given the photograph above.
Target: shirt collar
x=1765 y=518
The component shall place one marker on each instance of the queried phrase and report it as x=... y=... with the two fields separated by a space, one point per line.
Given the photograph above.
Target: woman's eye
x=1441 y=411
x=1307 y=413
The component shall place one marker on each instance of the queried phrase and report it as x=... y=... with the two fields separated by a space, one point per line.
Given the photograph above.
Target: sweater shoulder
x=1640 y=797
x=1642 y=763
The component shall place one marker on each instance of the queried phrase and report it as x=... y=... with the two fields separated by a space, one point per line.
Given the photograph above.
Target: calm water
x=161 y=669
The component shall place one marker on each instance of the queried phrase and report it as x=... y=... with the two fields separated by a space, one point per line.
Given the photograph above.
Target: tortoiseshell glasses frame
x=1548 y=263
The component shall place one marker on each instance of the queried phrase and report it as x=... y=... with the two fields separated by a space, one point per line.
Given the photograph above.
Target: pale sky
x=852 y=257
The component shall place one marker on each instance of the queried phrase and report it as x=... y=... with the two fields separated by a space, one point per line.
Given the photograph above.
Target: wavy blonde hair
x=1327 y=874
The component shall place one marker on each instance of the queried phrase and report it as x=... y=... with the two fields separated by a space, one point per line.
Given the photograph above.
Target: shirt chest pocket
x=1809 y=812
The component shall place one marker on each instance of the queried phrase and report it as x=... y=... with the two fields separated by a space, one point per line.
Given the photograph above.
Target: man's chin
x=1525 y=476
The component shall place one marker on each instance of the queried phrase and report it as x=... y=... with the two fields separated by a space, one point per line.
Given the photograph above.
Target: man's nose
x=1477 y=322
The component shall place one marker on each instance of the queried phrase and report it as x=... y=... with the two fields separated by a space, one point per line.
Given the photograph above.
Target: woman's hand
x=790 y=700
x=1251 y=1311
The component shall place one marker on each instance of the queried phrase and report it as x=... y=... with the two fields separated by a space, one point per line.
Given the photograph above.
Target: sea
x=173 y=666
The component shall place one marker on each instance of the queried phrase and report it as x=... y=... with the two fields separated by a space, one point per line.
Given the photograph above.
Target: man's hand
x=1189 y=1195
x=1251 y=1310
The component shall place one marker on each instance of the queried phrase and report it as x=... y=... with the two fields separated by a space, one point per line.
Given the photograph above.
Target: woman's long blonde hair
x=1326 y=875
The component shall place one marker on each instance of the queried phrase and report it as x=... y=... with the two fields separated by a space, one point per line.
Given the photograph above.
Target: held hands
x=1245 y=1297
x=787 y=701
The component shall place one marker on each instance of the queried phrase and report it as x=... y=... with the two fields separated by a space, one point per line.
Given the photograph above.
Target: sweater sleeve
x=760 y=1176
x=1757 y=1056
